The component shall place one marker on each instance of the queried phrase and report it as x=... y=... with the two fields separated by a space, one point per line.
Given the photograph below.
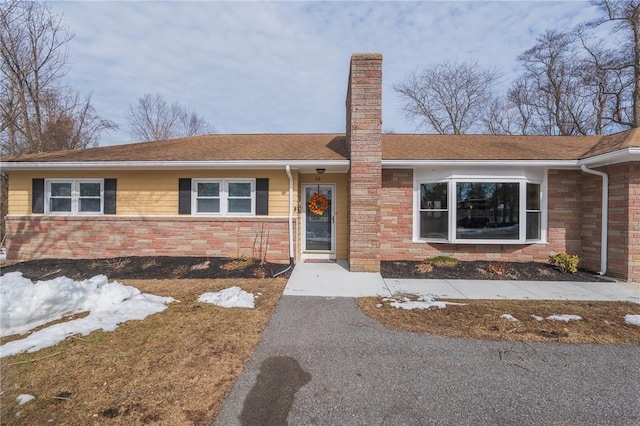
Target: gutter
x=605 y=216
x=305 y=166
x=291 y=262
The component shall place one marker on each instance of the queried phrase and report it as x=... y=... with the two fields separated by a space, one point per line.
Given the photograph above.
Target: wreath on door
x=318 y=204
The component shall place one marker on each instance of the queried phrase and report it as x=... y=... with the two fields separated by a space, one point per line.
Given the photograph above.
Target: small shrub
x=117 y=264
x=565 y=262
x=497 y=268
x=442 y=261
x=424 y=267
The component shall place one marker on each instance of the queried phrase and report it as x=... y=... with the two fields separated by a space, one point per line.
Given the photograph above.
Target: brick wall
x=634 y=222
x=397 y=224
x=74 y=237
x=565 y=216
x=624 y=220
x=364 y=139
x=574 y=222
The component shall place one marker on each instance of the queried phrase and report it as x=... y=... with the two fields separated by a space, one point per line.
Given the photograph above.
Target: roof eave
x=616 y=157
x=488 y=163
x=304 y=166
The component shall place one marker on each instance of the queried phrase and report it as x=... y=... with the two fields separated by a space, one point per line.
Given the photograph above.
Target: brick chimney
x=364 y=142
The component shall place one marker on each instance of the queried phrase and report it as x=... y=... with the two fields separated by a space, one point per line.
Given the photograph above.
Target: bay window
x=479 y=211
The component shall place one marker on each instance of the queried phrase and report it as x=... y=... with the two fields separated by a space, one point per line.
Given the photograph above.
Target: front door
x=319 y=221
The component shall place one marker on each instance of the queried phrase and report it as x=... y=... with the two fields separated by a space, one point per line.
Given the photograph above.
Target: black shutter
x=110 y=196
x=262 y=197
x=184 y=199
x=37 y=196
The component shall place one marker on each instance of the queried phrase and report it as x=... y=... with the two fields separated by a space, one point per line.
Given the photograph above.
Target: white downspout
x=291 y=255
x=605 y=216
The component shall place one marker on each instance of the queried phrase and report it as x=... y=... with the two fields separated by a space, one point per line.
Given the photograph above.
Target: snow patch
x=421 y=302
x=233 y=297
x=25 y=306
x=509 y=317
x=24 y=398
x=537 y=318
x=564 y=317
x=632 y=319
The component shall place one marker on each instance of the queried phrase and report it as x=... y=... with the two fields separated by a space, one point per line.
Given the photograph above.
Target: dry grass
x=442 y=261
x=426 y=266
x=603 y=322
x=175 y=367
x=239 y=263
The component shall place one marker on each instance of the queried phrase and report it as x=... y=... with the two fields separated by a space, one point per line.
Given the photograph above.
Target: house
x=364 y=196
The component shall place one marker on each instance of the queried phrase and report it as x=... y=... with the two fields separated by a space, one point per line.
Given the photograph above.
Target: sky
x=282 y=67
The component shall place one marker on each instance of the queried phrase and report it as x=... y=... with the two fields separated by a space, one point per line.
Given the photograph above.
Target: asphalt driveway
x=322 y=362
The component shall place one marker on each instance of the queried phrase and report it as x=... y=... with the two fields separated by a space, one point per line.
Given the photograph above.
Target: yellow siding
x=340 y=180
x=19 y=193
x=148 y=192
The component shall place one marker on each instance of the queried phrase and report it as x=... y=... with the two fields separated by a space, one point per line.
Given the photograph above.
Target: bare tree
x=448 y=98
x=577 y=82
x=552 y=88
x=39 y=113
x=620 y=63
x=153 y=118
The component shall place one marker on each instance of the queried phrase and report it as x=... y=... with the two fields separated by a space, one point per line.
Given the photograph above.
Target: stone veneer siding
x=82 y=237
x=624 y=220
x=364 y=139
x=573 y=223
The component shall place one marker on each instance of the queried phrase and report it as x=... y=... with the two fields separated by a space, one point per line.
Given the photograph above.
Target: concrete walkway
x=335 y=280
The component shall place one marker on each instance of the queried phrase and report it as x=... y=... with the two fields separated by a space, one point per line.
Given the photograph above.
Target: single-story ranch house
x=363 y=196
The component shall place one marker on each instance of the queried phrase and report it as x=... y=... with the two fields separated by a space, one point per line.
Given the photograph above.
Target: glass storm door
x=319 y=218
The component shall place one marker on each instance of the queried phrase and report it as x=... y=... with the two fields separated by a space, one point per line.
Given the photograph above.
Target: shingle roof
x=485 y=147
x=209 y=148
x=327 y=147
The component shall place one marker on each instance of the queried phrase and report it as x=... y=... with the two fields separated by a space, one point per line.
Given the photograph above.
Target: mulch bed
x=224 y=267
x=147 y=268
x=483 y=270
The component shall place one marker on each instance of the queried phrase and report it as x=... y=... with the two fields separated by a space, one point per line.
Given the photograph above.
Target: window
x=208 y=197
x=89 y=197
x=487 y=211
x=239 y=197
x=74 y=196
x=534 y=212
x=60 y=197
x=224 y=197
x=434 y=213
x=459 y=211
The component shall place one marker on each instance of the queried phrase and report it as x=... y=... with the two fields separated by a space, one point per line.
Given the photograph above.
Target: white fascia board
x=330 y=166
x=621 y=156
x=539 y=163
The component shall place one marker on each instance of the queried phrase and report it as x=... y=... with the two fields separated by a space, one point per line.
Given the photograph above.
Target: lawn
x=602 y=322
x=178 y=366
x=174 y=367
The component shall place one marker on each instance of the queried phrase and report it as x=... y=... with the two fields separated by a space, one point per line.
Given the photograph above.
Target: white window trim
x=224 y=197
x=75 y=197
x=452 y=212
